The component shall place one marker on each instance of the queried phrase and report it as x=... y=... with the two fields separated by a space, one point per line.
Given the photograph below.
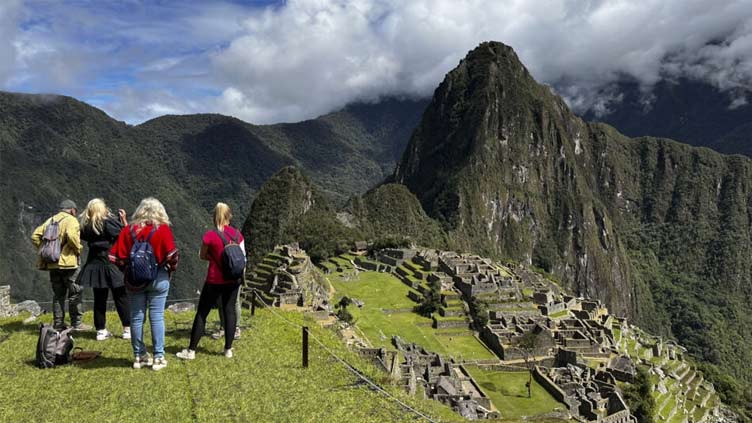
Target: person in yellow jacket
x=63 y=273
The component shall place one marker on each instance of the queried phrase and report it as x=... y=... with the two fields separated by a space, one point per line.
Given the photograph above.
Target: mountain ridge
x=652 y=227
x=53 y=147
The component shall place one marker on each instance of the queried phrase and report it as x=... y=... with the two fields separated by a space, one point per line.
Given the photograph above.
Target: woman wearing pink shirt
x=216 y=286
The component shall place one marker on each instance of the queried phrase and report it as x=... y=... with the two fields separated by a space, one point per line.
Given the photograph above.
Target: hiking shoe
x=82 y=327
x=237 y=333
x=143 y=361
x=228 y=353
x=126 y=333
x=187 y=354
x=159 y=363
x=103 y=334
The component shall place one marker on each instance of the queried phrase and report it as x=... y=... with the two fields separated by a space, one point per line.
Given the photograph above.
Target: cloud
x=297 y=59
x=9 y=14
x=309 y=56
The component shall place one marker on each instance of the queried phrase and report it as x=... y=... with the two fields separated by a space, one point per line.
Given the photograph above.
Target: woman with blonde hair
x=149 y=224
x=100 y=229
x=217 y=284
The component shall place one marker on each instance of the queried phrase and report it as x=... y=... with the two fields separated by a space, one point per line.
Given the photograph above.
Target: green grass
x=560 y=314
x=508 y=393
x=382 y=291
x=263 y=382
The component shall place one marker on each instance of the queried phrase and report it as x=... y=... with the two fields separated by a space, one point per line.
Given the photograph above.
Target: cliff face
x=650 y=226
x=510 y=170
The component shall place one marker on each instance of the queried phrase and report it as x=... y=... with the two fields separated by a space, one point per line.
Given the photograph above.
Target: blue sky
x=266 y=61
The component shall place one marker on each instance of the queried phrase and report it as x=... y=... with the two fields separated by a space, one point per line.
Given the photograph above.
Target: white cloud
x=137 y=106
x=302 y=58
x=311 y=56
x=9 y=14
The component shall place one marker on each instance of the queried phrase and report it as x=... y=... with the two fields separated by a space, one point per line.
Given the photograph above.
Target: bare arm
x=122 y=216
x=204 y=253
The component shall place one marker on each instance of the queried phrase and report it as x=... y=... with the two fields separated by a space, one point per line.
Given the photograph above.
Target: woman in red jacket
x=149 y=222
x=216 y=286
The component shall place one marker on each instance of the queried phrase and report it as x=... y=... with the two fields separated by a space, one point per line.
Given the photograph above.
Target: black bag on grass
x=53 y=347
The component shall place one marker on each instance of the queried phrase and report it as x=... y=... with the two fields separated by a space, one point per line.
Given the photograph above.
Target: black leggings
x=228 y=294
x=121 y=305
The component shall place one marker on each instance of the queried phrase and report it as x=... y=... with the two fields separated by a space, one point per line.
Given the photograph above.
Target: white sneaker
x=159 y=363
x=228 y=353
x=187 y=354
x=126 y=333
x=103 y=334
x=143 y=361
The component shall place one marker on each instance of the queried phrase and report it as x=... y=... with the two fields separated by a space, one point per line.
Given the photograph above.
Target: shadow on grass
x=19 y=326
x=103 y=362
x=100 y=362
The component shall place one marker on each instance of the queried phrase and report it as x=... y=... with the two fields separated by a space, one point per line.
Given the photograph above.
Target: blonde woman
x=100 y=229
x=151 y=224
x=216 y=285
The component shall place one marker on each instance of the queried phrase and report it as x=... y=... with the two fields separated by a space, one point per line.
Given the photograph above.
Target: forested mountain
x=691 y=111
x=658 y=230
x=53 y=147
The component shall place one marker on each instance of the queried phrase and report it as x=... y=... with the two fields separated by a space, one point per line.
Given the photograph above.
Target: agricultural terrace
x=387 y=311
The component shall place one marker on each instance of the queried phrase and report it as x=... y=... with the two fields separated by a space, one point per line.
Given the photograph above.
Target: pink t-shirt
x=215 y=246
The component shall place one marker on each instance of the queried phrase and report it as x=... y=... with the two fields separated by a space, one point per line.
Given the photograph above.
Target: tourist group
x=135 y=261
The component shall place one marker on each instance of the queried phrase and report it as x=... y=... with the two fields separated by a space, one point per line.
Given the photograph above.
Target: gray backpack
x=53 y=347
x=49 y=250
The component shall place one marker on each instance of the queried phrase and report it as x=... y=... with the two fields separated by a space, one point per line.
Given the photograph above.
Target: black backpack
x=53 y=347
x=233 y=258
x=142 y=264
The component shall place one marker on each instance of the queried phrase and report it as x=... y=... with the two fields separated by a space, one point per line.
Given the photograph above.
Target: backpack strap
x=221 y=236
x=148 y=238
x=153 y=230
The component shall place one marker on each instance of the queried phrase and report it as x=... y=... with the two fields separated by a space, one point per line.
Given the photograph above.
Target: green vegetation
x=639 y=396
x=508 y=392
x=391 y=214
x=431 y=300
x=388 y=311
x=658 y=229
x=53 y=147
x=264 y=381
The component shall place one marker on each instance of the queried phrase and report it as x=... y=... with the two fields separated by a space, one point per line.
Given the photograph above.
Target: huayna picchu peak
x=656 y=229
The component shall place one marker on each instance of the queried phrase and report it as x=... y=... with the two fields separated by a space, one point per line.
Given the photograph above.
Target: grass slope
x=382 y=317
x=508 y=393
x=263 y=382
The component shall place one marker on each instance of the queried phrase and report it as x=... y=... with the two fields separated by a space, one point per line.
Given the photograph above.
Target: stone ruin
x=443 y=381
x=6 y=308
x=572 y=333
x=287 y=277
x=590 y=395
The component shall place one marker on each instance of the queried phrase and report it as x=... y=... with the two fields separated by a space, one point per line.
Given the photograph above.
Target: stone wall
x=6 y=308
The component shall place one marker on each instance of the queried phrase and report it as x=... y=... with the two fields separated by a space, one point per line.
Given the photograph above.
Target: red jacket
x=162 y=243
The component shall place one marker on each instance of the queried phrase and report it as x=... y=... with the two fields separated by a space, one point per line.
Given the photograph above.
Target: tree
x=431 y=300
x=343 y=314
x=638 y=396
x=528 y=345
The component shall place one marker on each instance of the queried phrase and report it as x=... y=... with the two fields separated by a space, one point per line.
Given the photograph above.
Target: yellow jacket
x=70 y=241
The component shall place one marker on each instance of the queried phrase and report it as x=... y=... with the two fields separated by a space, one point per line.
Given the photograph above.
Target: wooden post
x=253 y=302
x=305 y=346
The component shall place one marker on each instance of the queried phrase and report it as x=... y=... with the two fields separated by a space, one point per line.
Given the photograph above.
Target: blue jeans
x=154 y=296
